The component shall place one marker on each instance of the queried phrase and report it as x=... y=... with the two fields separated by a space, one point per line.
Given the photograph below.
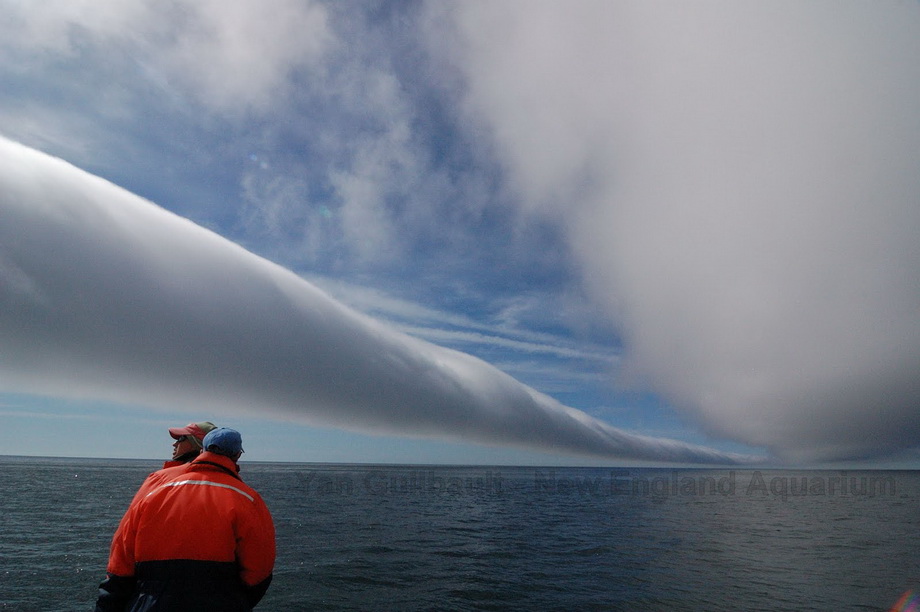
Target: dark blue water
x=448 y=538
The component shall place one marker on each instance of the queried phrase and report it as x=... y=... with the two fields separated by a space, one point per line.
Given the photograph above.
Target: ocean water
x=353 y=537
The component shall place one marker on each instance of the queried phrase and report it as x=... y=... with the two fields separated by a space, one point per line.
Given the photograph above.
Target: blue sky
x=694 y=226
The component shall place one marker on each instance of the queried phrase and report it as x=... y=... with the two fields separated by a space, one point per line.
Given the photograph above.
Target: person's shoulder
x=153 y=480
x=259 y=506
x=171 y=467
x=237 y=482
x=166 y=472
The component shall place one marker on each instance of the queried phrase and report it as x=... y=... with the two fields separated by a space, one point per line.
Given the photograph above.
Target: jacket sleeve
x=255 y=593
x=256 y=551
x=121 y=552
x=114 y=593
x=119 y=585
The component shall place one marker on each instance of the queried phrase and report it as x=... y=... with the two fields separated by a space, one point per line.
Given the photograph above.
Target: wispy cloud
x=106 y=295
x=232 y=57
x=454 y=329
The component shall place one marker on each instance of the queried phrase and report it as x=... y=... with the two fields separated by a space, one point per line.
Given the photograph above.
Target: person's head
x=188 y=439
x=224 y=441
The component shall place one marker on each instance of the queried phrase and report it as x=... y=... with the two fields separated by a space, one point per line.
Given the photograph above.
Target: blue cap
x=223 y=441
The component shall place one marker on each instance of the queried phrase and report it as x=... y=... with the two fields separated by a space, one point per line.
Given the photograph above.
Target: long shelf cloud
x=106 y=295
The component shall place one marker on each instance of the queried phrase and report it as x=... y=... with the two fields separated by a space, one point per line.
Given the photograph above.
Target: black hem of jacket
x=199 y=582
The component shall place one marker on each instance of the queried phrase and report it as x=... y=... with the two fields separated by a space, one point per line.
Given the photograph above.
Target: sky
x=534 y=233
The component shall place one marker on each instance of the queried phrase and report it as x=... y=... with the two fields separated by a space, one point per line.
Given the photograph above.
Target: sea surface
x=362 y=537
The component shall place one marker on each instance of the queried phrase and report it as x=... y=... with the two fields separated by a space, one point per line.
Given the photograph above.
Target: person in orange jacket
x=188 y=441
x=198 y=538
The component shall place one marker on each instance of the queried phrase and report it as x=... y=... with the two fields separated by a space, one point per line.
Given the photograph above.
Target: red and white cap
x=195 y=430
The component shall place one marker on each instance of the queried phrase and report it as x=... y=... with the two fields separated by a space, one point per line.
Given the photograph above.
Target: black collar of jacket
x=213 y=460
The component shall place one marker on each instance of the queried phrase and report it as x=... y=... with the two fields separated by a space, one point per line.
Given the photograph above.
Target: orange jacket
x=196 y=512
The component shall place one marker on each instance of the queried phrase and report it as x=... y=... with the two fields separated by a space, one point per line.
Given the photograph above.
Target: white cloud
x=62 y=26
x=455 y=337
x=232 y=56
x=241 y=54
x=145 y=307
x=451 y=328
x=740 y=183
